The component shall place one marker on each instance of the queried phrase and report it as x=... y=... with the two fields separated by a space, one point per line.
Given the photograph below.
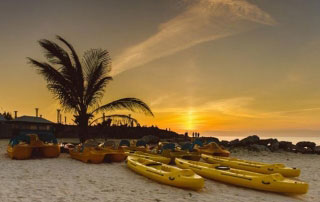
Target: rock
x=249 y=140
x=317 y=150
x=212 y=139
x=309 y=150
x=234 y=143
x=311 y=145
x=286 y=146
x=274 y=145
x=266 y=142
x=258 y=148
x=224 y=143
x=302 y=150
x=151 y=139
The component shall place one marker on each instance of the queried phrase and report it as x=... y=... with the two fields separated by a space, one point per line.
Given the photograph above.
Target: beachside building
x=31 y=124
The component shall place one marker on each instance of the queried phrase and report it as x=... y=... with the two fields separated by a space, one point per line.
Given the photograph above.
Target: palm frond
x=97 y=66
x=57 y=84
x=57 y=55
x=79 y=71
x=131 y=104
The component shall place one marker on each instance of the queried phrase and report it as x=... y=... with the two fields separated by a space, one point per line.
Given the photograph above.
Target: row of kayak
x=188 y=174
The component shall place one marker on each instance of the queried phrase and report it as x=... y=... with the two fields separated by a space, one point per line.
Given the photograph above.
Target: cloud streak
x=202 y=21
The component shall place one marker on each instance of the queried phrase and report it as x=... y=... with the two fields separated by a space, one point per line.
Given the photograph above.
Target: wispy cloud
x=203 y=20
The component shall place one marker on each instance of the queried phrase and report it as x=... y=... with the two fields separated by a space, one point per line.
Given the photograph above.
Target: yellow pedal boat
x=213 y=149
x=97 y=155
x=266 y=182
x=149 y=156
x=27 y=146
x=165 y=174
x=253 y=166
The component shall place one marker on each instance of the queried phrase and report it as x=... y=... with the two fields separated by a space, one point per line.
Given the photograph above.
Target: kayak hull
x=252 y=166
x=165 y=174
x=265 y=182
x=149 y=156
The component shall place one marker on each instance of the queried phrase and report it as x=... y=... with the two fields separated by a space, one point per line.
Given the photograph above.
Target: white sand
x=65 y=179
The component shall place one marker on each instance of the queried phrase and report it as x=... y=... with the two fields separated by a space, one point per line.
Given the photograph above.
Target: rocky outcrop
x=266 y=142
x=249 y=140
x=274 y=146
x=306 y=144
x=317 y=150
x=212 y=139
x=225 y=143
x=234 y=143
x=286 y=146
x=258 y=148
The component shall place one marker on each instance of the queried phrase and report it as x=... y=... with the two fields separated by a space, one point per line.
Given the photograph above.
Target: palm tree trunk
x=83 y=132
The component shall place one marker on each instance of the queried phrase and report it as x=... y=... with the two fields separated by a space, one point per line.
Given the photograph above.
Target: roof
x=2 y=118
x=32 y=119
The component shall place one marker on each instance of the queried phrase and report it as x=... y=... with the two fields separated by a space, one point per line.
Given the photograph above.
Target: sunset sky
x=212 y=66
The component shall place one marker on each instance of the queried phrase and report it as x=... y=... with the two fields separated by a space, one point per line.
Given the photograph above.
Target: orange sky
x=203 y=65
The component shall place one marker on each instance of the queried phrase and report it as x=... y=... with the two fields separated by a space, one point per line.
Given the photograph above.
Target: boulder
x=317 y=150
x=274 y=146
x=225 y=143
x=266 y=142
x=286 y=146
x=249 y=140
x=311 y=145
x=212 y=139
x=258 y=148
x=234 y=143
x=151 y=139
x=302 y=150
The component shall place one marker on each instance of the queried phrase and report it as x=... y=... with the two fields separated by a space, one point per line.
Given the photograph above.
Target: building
x=31 y=124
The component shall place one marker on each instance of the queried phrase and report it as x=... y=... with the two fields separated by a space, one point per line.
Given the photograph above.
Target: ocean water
x=280 y=138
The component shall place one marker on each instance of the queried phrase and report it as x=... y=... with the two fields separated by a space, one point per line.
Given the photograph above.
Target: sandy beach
x=64 y=179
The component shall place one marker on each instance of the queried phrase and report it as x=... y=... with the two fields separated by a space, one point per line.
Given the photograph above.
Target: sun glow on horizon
x=190 y=120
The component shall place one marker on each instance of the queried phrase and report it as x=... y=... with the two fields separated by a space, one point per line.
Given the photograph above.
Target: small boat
x=91 y=152
x=253 y=166
x=153 y=157
x=87 y=154
x=26 y=146
x=114 y=155
x=213 y=149
x=165 y=174
x=135 y=146
x=266 y=182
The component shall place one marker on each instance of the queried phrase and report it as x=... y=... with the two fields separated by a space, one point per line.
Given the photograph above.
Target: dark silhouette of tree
x=80 y=85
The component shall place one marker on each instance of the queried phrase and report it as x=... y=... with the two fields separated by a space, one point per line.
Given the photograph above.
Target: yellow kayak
x=183 y=178
x=253 y=166
x=153 y=157
x=266 y=182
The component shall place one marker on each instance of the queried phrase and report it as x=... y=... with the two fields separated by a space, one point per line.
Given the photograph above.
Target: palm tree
x=79 y=85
